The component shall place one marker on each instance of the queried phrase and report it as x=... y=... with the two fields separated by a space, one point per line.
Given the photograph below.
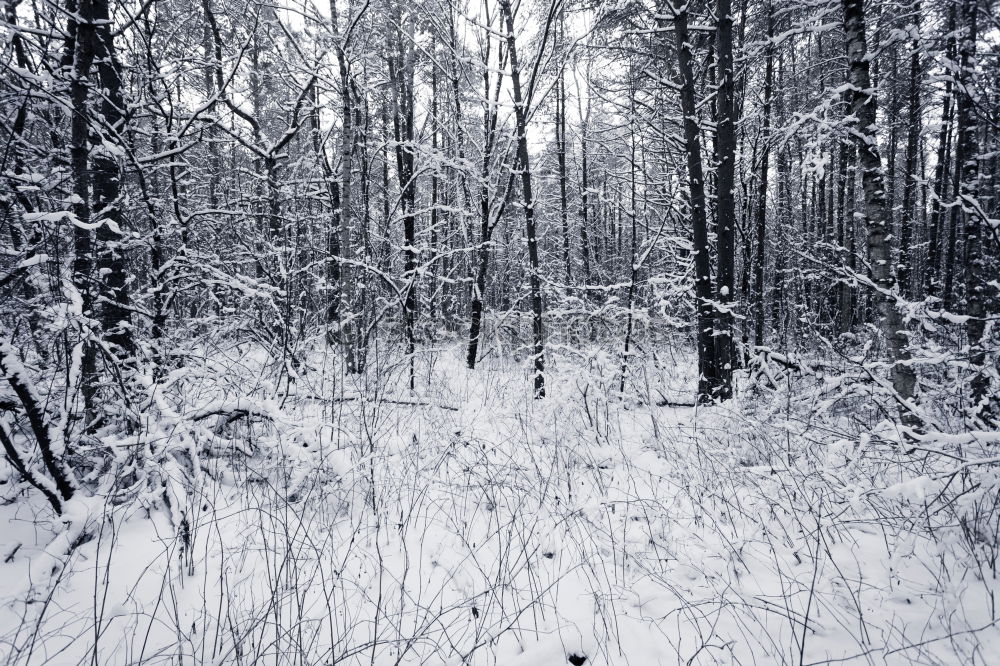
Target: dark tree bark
x=633 y=274
x=976 y=277
x=332 y=264
x=524 y=167
x=340 y=310
x=212 y=44
x=942 y=173
x=401 y=59
x=910 y=219
x=561 y=158
x=585 y=241
x=18 y=142
x=760 y=214
x=435 y=215
x=80 y=51
x=707 y=359
x=97 y=185
x=725 y=203
x=585 y=247
x=863 y=109
x=487 y=219
x=50 y=445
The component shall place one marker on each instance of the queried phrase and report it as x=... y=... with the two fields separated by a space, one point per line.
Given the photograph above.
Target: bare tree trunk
x=585 y=244
x=461 y=198
x=486 y=222
x=212 y=43
x=401 y=70
x=585 y=249
x=726 y=202
x=435 y=216
x=561 y=158
x=762 y=185
x=909 y=220
x=633 y=263
x=863 y=108
x=707 y=359
x=779 y=309
x=967 y=169
x=932 y=276
x=344 y=310
x=848 y=169
x=17 y=136
x=524 y=166
x=82 y=42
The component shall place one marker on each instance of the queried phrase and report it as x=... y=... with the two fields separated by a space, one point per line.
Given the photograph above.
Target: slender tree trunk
x=561 y=158
x=585 y=245
x=909 y=219
x=17 y=138
x=633 y=263
x=82 y=43
x=401 y=71
x=157 y=251
x=486 y=221
x=435 y=250
x=932 y=276
x=952 y=263
x=344 y=310
x=332 y=231
x=524 y=166
x=863 y=108
x=212 y=43
x=460 y=198
x=849 y=304
x=760 y=258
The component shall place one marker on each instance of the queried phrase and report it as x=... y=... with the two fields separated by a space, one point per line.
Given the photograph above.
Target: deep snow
x=471 y=524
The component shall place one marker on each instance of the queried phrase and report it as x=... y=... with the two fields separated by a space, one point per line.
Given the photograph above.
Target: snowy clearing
x=508 y=531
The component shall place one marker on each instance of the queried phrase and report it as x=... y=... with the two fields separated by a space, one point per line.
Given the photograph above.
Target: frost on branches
x=533 y=333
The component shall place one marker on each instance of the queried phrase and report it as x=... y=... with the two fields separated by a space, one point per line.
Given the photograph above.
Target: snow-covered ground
x=468 y=523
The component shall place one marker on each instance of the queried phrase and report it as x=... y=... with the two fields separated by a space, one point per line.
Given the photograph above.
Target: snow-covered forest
x=520 y=332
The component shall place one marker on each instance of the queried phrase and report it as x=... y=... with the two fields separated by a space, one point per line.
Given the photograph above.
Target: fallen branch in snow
x=397 y=401
x=391 y=401
x=232 y=410
x=981 y=437
x=765 y=354
x=664 y=401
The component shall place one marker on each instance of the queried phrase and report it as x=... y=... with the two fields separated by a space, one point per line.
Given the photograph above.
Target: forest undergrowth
x=339 y=518
x=520 y=332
